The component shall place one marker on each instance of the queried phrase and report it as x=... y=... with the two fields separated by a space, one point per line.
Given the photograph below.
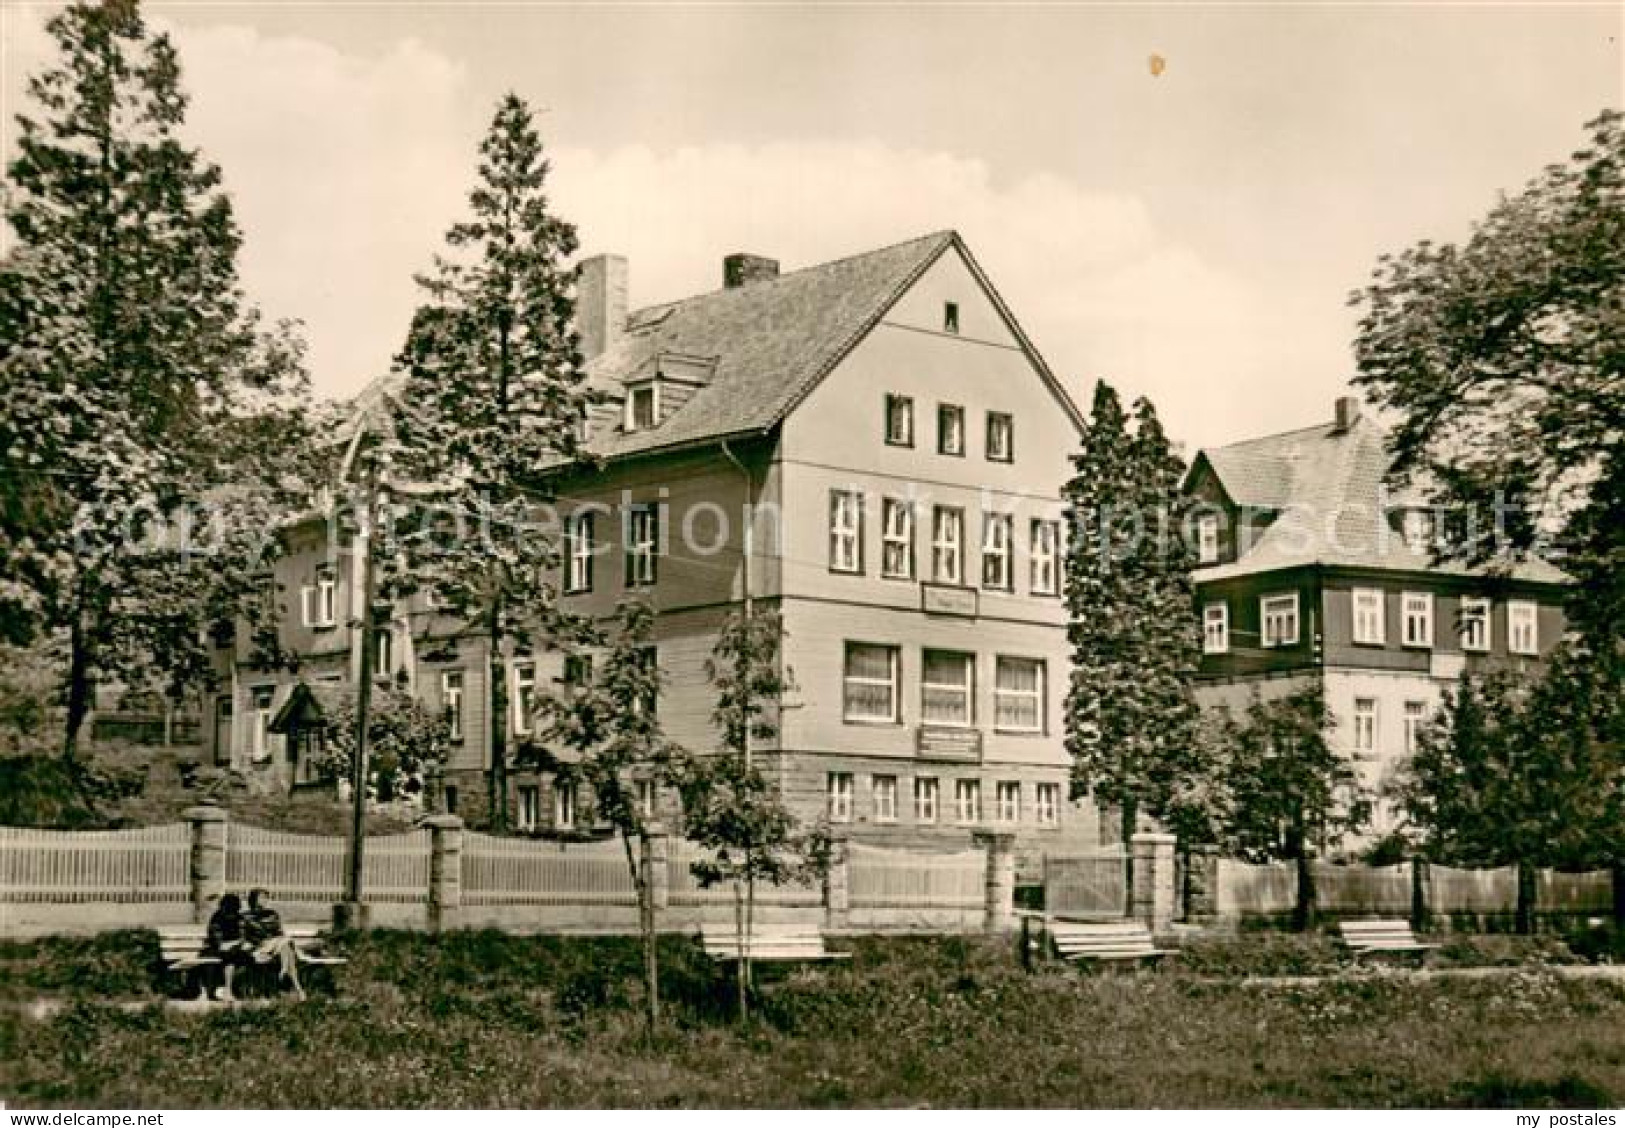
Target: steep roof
x=1327 y=486
x=751 y=352
x=770 y=342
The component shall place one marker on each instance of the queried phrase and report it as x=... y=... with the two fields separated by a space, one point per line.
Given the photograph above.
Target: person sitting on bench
x=262 y=930
x=225 y=942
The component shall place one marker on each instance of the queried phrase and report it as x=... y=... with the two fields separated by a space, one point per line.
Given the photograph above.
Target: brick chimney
x=1348 y=414
x=600 y=303
x=742 y=270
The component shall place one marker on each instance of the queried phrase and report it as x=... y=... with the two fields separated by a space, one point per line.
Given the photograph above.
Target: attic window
x=950 y=317
x=642 y=406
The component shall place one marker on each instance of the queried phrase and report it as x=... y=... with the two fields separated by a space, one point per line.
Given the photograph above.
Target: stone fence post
x=999 y=905
x=445 y=869
x=1154 y=880
x=838 y=884
x=208 y=825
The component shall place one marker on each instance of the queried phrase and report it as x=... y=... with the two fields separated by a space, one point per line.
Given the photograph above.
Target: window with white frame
x=1279 y=615
x=1417 y=528
x=1370 y=627
x=1417 y=618
x=642 y=406
x=947 y=544
x=1001 y=437
x=968 y=800
x=840 y=797
x=996 y=535
x=1018 y=694
x=564 y=804
x=1475 y=623
x=1523 y=635
x=642 y=544
x=946 y=687
x=885 y=794
x=950 y=429
x=451 y=701
x=845 y=531
x=578 y=547
x=643 y=794
x=259 y=746
x=530 y=806
x=1365 y=724
x=1216 y=628
x=319 y=601
x=1044 y=578
x=524 y=693
x=1416 y=716
x=899 y=421
x=896 y=539
x=383 y=653
x=925 y=799
x=648 y=658
x=1008 y=794
x=1207 y=538
x=869 y=683
x=1047 y=804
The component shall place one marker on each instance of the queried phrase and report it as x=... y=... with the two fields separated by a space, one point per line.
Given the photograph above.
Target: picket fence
x=883 y=885
x=524 y=871
x=148 y=864
x=1088 y=885
x=882 y=878
x=687 y=892
x=309 y=867
x=1243 y=889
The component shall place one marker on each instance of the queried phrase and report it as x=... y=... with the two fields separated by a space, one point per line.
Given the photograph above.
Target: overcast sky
x=1191 y=235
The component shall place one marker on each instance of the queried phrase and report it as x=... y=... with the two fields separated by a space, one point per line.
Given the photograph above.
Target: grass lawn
x=482 y=1019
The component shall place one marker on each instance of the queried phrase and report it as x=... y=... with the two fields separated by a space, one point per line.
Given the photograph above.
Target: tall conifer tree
x=1129 y=714
x=494 y=393
x=137 y=378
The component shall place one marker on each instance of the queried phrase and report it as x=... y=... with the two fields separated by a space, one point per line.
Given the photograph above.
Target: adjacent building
x=871 y=447
x=1309 y=568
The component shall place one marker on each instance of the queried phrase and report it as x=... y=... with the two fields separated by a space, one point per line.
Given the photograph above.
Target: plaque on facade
x=944 y=599
x=943 y=742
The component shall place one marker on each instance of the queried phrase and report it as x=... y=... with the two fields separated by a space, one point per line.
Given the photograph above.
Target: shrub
x=1263 y=953
x=1599 y=943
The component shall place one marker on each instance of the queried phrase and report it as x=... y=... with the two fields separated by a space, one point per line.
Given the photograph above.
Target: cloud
x=346 y=170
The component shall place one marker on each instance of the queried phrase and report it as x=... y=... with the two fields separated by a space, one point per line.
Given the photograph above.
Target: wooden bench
x=772 y=943
x=1114 y=940
x=1374 y=937
x=180 y=948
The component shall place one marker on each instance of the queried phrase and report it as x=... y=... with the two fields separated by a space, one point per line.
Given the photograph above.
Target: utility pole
x=351 y=913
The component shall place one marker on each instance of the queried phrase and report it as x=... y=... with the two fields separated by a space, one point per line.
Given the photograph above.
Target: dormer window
x=1207 y=539
x=1416 y=526
x=642 y=406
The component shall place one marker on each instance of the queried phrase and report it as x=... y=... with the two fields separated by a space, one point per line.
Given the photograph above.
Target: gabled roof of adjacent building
x=1326 y=487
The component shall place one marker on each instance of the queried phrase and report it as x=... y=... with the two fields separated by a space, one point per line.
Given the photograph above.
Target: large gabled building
x=873 y=448
x=1310 y=568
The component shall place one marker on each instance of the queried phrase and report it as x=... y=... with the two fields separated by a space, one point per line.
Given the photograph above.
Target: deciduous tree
x=134 y=369
x=1503 y=360
x=1291 y=795
x=602 y=730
